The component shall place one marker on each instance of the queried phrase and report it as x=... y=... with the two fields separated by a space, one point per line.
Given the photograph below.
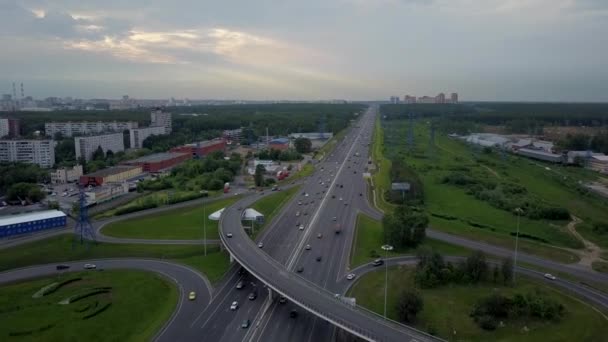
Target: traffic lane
x=184 y=277
x=278 y=325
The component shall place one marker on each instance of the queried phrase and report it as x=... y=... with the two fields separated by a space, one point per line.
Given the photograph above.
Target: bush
x=136 y=207
x=97 y=312
x=409 y=304
x=600 y=227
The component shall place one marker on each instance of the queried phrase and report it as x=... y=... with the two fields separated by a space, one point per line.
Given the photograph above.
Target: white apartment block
x=85 y=146
x=41 y=152
x=138 y=135
x=4 y=130
x=159 y=118
x=66 y=174
x=68 y=129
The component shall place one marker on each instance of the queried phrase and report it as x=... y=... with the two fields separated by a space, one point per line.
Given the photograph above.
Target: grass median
x=124 y=311
x=59 y=249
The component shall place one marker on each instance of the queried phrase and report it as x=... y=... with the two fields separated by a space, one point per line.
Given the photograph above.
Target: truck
x=226 y=187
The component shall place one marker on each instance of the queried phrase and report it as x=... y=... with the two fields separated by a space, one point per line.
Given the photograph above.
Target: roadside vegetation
x=270 y=206
x=112 y=304
x=181 y=224
x=60 y=248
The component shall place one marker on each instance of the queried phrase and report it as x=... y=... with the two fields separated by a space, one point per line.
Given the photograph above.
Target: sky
x=507 y=50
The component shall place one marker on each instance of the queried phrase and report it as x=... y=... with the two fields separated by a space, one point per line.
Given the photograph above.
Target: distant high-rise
x=440 y=98
x=71 y=128
x=409 y=99
x=138 y=135
x=454 y=98
x=85 y=146
x=159 y=118
x=394 y=99
x=41 y=152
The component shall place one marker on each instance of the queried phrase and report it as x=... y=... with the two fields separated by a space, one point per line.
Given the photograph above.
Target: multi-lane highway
x=186 y=279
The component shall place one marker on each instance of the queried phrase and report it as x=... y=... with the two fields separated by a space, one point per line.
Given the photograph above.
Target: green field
x=134 y=312
x=271 y=205
x=370 y=236
x=446 y=310
x=59 y=249
x=381 y=177
x=451 y=209
x=183 y=223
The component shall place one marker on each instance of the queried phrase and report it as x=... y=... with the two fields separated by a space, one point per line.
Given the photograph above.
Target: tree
x=409 y=304
x=98 y=154
x=303 y=145
x=476 y=267
x=25 y=191
x=495 y=274
x=507 y=270
x=405 y=227
x=259 y=175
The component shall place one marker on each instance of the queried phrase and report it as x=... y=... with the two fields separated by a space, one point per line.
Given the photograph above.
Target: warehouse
x=111 y=175
x=12 y=225
x=541 y=155
x=159 y=161
x=280 y=144
x=202 y=148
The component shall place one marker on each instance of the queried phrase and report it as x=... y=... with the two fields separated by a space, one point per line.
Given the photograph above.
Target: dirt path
x=591 y=252
x=492 y=171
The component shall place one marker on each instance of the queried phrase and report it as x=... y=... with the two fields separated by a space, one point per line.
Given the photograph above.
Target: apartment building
x=85 y=146
x=41 y=152
x=138 y=135
x=159 y=118
x=69 y=129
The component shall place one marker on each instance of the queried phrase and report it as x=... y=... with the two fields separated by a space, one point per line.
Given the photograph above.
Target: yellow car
x=192 y=295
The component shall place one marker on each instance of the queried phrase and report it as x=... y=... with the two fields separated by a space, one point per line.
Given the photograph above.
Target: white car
x=234 y=306
x=260 y=245
x=307 y=247
x=340 y=198
x=229 y=235
x=301 y=227
x=550 y=276
x=350 y=276
x=297 y=213
x=90 y=266
x=306 y=195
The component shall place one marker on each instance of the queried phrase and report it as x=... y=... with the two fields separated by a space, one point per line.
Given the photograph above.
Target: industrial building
x=66 y=175
x=85 y=146
x=233 y=135
x=138 y=135
x=599 y=163
x=112 y=174
x=12 y=225
x=41 y=152
x=202 y=148
x=159 y=161
x=106 y=193
x=541 y=155
x=280 y=144
x=69 y=128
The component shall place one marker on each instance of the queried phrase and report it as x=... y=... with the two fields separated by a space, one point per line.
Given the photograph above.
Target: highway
x=186 y=279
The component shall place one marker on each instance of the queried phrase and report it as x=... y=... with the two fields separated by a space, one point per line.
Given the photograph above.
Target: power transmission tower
x=322 y=127
x=83 y=228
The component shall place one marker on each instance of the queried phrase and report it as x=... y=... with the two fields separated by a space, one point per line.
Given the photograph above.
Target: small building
x=201 y=148
x=112 y=174
x=599 y=163
x=12 y=225
x=66 y=175
x=106 y=192
x=583 y=155
x=159 y=161
x=280 y=144
x=541 y=155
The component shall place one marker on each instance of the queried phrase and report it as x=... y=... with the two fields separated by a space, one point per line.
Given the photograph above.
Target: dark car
x=319 y=258
x=62 y=267
x=378 y=262
x=300 y=269
x=253 y=296
x=293 y=314
x=360 y=194
x=282 y=300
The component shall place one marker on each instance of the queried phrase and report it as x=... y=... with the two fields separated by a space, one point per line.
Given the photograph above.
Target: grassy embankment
x=59 y=249
x=447 y=308
x=183 y=223
x=133 y=313
x=452 y=210
x=271 y=205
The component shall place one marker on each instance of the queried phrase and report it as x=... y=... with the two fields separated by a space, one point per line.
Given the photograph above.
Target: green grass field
x=369 y=237
x=59 y=249
x=455 y=211
x=183 y=223
x=381 y=178
x=271 y=205
x=446 y=309
x=135 y=312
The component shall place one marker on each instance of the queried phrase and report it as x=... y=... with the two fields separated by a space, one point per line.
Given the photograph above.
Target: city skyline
x=506 y=50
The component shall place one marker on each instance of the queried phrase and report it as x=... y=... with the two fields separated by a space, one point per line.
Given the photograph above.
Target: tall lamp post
x=205 y=228
x=386 y=249
x=519 y=211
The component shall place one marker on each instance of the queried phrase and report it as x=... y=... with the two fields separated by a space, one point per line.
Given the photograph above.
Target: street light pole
x=518 y=210
x=386 y=248
x=205 y=228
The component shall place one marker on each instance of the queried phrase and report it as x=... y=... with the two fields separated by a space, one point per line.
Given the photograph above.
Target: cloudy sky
x=555 y=50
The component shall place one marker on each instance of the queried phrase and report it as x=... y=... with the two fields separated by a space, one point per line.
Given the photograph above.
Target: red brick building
x=159 y=161
x=280 y=144
x=202 y=148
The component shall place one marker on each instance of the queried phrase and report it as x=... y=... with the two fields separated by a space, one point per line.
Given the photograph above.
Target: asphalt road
x=186 y=279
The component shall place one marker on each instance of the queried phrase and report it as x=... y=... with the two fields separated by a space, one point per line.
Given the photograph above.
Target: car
x=550 y=276
x=360 y=194
x=62 y=267
x=192 y=295
x=299 y=202
x=333 y=196
x=293 y=314
x=319 y=258
x=241 y=271
x=298 y=224
x=355 y=172
x=234 y=305
x=282 y=300
x=307 y=247
x=350 y=276
x=305 y=213
x=300 y=269
x=301 y=227
x=253 y=296
x=320 y=235
x=260 y=245
x=341 y=186
x=345 y=203
x=297 y=213
x=240 y=285
x=228 y=235
x=335 y=218
x=90 y=266
x=377 y=262
x=245 y=324
x=340 y=198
